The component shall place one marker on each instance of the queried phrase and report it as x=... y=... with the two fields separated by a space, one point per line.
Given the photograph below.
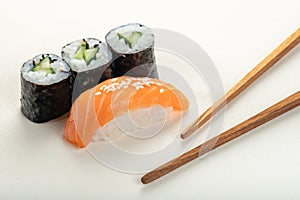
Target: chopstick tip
x=144 y=180
x=186 y=134
x=182 y=136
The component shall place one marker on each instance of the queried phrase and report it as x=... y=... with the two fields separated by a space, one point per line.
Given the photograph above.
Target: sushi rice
x=60 y=68
x=141 y=123
x=103 y=56
x=120 y=46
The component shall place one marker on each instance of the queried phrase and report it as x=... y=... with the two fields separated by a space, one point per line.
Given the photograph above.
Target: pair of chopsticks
x=270 y=113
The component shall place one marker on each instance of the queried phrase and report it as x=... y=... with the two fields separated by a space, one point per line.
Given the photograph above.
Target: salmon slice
x=111 y=98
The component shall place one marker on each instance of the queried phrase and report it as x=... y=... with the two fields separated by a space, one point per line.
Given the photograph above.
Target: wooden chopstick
x=254 y=74
x=270 y=113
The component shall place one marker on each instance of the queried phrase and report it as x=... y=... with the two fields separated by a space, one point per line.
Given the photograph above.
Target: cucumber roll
x=132 y=46
x=88 y=59
x=45 y=88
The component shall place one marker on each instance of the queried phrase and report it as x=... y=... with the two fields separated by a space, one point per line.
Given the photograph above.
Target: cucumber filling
x=90 y=54
x=130 y=38
x=44 y=66
x=85 y=53
x=80 y=52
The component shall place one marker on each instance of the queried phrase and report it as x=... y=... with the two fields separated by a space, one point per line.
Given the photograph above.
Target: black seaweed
x=42 y=103
x=82 y=81
x=139 y=64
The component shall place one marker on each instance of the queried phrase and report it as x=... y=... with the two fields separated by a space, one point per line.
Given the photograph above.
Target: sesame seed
x=161 y=90
x=98 y=93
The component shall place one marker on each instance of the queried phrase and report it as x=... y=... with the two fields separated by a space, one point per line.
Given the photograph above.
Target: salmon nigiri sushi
x=113 y=99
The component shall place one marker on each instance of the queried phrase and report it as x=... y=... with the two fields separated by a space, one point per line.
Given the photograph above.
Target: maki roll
x=88 y=59
x=132 y=46
x=45 y=88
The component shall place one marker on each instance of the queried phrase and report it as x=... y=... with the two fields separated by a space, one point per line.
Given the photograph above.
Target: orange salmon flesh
x=111 y=98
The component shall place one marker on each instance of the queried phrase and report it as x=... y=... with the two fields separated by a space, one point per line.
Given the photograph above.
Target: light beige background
x=236 y=35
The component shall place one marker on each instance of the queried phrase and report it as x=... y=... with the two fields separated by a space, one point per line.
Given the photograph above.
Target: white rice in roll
x=119 y=45
x=102 y=57
x=60 y=69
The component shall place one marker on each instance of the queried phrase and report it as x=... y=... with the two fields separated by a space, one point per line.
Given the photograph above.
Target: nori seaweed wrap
x=45 y=88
